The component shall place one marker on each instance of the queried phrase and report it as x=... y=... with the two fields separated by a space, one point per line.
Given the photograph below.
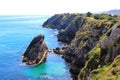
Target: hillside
x=114 y=11
x=93 y=44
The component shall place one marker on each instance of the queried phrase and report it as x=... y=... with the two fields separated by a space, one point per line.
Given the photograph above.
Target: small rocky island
x=36 y=52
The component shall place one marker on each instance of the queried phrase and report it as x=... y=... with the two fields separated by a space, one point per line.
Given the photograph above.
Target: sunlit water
x=16 y=32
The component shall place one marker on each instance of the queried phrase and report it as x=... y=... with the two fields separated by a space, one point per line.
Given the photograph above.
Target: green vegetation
x=109 y=72
x=92 y=61
x=93 y=50
x=95 y=68
x=101 y=62
x=101 y=70
x=113 y=18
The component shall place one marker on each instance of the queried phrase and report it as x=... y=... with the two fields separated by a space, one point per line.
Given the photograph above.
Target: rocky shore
x=67 y=25
x=93 y=44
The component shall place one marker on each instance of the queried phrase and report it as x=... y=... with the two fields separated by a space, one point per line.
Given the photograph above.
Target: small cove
x=16 y=32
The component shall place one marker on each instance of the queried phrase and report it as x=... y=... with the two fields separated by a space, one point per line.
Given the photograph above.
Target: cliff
x=36 y=52
x=104 y=56
x=67 y=25
x=93 y=43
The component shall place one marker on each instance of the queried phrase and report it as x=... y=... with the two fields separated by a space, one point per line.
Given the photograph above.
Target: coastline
x=14 y=39
x=84 y=34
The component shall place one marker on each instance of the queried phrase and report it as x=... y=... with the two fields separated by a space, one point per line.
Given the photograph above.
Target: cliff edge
x=93 y=44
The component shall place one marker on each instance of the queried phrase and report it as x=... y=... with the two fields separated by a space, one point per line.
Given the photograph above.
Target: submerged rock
x=36 y=51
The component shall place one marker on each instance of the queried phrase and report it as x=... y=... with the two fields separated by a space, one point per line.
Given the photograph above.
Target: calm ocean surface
x=16 y=32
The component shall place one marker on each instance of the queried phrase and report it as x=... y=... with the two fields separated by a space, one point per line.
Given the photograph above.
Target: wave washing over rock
x=93 y=44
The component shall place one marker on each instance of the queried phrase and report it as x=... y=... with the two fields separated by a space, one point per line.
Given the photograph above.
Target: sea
x=16 y=33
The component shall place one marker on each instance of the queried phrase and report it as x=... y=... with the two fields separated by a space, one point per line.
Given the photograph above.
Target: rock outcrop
x=36 y=51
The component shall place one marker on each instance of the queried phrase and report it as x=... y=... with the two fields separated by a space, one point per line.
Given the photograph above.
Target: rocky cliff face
x=66 y=24
x=103 y=54
x=36 y=51
x=94 y=43
x=85 y=40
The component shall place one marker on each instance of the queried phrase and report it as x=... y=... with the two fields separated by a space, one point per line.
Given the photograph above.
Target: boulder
x=60 y=51
x=36 y=52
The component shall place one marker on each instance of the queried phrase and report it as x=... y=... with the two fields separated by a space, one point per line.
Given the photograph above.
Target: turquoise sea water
x=16 y=32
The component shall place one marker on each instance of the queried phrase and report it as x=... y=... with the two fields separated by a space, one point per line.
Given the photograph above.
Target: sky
x=46 y=7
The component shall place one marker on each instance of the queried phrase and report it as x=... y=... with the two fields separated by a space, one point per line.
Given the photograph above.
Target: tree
x=89 y=14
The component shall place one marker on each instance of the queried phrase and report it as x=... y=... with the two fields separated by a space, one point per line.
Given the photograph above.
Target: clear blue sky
x=56 y=6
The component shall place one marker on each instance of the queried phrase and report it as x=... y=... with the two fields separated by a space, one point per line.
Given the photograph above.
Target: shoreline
x=83 y=34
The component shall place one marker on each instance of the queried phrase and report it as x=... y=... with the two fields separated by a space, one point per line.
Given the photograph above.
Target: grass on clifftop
x=109 y=72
